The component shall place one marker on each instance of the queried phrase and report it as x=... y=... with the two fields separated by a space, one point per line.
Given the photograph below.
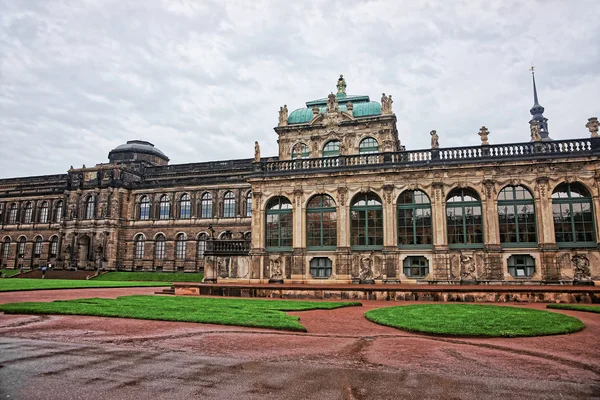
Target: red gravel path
x=343 y=338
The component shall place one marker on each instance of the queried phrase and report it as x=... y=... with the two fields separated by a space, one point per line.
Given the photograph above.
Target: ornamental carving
x=386 y=104
x=592 y=125
x=490 y=187
x=341 y=195
x=581 y=267
x=542 y=186
x=387 y=193
x=283 y=115
x=483 y=134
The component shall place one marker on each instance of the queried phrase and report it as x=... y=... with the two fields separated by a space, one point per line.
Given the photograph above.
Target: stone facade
x=137 y=212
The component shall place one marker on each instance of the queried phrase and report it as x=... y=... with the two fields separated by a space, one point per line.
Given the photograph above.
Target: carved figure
x=341 y=85
x=103 y=211
x=275 y=268
x=366 y=273
x=349 y=107
x=386 y=104
x=315 y=111
x=581 y=267
x=332 y=104
x=592 y=125
x=283 y=115
x=483 y=134
x=256 y=152
x=468 y=265
x=212 y=231
x=434 y=139
x=535 y=131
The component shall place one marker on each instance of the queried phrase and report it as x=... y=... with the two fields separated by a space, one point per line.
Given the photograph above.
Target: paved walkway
x=342 y=356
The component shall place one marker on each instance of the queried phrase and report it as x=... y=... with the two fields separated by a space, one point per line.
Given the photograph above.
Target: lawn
x=14 y=284
x=475 y=320
x=9 y=272
x=151 y=276
x=241 y=312
x=575 y=307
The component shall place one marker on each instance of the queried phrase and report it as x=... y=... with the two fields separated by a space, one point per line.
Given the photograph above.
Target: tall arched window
x=185 y=206
x=159 y=246
x=516 y=217
x=249 y=204
x=90 y=208
x=300 y=150
x=139 y=246
x=12 y=214
x=44 y=212
x=368 y=145
x=144 y=208
x=37 y=247
x=5 y=247
x=21 y=247
x=54 y=246
x=164 y=207
x=331 y=149
x=28 y=213
x=366 y=218
x=414 y=219
x=206 y=206
x=202 y=238
x=58 y=212
x=321 y=223
x=463 y=218
x=573 y=216
x=279 y=226
x=180 y=245
x=229 y=205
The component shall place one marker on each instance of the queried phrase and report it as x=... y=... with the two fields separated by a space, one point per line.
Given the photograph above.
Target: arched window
x=331 y=149
x=249 y=204
x=366 y=218
x=202 y=238
x=5 y=247
x=12 y=214
x=516 y=217
x=185 y=206
x=144 y=208
x=573 y=215
x=321 y=223
x=58 y=212
x=414 y=219
x=180 y=245
x=90 y=208
x=159 y=246
x=21 y=246
x=139 y=246
x=300 y=150
x=279 y=226
x=206 y=206
x=44 y=212
x=463 y=218
x=229 y=205
x=368 y=145
x=164 y=207
x=37 y=247
x=54 y=246
x=28 y=213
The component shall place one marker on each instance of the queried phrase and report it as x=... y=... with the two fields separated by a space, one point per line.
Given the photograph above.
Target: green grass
x=151 y=276
x=575 y=307
x=9 y=272
x=241 y=312
x=475 y=320
x=15 y=284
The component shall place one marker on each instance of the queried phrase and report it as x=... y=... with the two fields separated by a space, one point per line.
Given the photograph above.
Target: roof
x=138 y=146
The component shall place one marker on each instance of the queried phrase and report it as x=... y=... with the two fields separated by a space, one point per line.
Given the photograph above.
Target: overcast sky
x=203 y=80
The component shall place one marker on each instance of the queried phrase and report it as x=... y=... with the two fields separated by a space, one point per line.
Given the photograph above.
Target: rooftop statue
x=256 y=152
x=592 y=125
x=483 y=133
x=386 y=104
x=434 y=140
x=332 y=104
x=535 y=131
x=283 y=115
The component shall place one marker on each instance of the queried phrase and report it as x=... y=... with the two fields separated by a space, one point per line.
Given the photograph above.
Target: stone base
x=468 y=282
x=279 y=281
x=209 y=280
x=367 y=281
x=391 y=281
x=583 y=283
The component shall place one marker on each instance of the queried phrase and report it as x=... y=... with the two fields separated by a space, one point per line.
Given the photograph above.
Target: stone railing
x=227 y=247
x=454 y=155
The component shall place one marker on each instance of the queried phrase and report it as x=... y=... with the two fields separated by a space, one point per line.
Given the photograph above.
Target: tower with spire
x=537 y=112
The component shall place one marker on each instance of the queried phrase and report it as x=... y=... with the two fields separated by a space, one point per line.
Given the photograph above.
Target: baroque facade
x=343 y=201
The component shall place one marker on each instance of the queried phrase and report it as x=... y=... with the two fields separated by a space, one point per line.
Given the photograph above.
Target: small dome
x=359 y=110
x=135 y=150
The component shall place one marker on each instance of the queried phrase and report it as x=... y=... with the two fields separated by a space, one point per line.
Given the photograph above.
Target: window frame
x=180 y=246
x=229 y=205
x=413 y=206
x=28 y=213
x=13 y=213
x=366 y=209
x=320 y=211
x=144 y=208
x=249 y=204
x=331 y=152
x=164 y=207
x=463 y=205
x=185 y=206
x=159 y=246
x=516 y=204
x=206 y=201
x=371 y=149
x=44 y=208
x=37 y=247
x=570 y=201
x=320 y=271
x=6 y=247
x=58 y=211
x=284 y=243
x=305 y=151
x=408 y=265
x=512 y=267
x=139 y=246
x=53 y=251
x=90 y=207
x=201 y=245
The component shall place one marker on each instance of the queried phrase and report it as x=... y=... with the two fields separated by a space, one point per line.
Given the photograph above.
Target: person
x=44 y=271
x=21 y=269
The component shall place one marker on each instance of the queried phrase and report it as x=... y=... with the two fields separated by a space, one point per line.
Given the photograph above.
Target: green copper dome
x=362 y=106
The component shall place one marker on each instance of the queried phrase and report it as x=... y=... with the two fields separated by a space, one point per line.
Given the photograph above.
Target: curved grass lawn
x=575 y=307
x=168 y=277
x=241 y=312
x=9 y=272
x=16 y=284
x=474 y=320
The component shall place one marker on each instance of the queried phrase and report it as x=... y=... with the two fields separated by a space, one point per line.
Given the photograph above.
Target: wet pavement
x=343 y=356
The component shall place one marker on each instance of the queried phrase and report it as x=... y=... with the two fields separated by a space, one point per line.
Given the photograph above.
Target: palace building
x=343 y=201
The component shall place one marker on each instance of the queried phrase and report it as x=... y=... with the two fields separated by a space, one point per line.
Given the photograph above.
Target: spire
x=537 y=112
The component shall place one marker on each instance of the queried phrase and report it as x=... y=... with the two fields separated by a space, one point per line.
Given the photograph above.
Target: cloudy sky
x=203 y=80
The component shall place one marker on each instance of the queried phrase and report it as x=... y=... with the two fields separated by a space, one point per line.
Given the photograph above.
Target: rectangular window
x=320 y=267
